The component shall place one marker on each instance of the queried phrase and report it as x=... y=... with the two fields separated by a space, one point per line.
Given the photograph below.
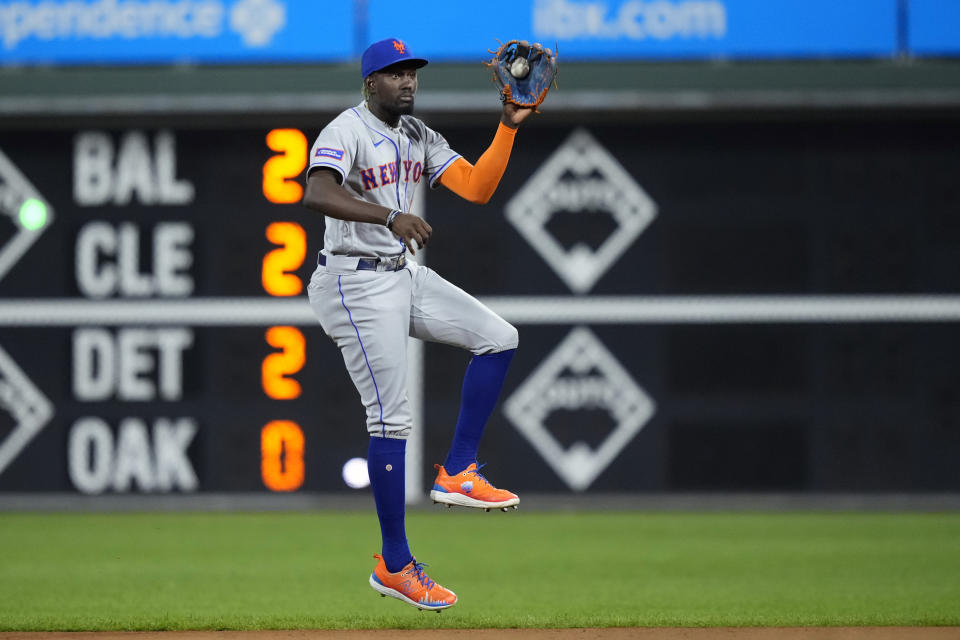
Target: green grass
x=294 y=570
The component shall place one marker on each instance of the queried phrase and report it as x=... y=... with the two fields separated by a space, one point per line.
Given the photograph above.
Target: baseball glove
x=523 y=72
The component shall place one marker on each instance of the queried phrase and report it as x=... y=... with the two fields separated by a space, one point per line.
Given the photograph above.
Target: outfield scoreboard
x=723 y=303
x=155 y=321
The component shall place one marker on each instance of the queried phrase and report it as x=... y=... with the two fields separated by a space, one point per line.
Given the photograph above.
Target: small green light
x=33 y=214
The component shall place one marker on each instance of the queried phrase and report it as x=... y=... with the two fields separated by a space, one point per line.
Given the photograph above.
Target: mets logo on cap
x=383 y=53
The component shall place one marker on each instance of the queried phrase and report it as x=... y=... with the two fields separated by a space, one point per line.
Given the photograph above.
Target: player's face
x=394 y=88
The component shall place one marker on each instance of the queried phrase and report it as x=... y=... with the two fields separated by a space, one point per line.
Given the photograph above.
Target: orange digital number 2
x=281 y=446
x=277 y=281
x=279 y=171
x=289 y=361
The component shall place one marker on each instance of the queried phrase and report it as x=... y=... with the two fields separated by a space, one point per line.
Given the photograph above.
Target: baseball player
x=369 y=295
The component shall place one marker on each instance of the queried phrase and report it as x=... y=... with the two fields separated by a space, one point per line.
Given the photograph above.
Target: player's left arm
x=477 y=183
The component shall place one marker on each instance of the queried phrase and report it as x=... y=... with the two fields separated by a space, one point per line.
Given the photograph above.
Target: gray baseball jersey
x=379 y=164
x=369 y=314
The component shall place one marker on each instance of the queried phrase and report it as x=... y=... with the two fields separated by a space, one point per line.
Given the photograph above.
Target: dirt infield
x=724 y=633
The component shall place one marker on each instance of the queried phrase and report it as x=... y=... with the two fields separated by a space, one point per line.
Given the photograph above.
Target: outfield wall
x=736 y=301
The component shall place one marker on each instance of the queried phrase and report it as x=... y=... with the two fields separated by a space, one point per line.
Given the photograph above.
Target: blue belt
x=374 y=264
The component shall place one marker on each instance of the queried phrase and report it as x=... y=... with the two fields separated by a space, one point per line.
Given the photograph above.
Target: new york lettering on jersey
x=389 y=173
x=380 y=164
x=370 y=156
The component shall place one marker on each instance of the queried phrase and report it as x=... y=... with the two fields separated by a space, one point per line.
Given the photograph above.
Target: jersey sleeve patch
x=328 y=152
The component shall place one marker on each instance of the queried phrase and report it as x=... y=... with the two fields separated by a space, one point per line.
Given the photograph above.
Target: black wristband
x=391 y=217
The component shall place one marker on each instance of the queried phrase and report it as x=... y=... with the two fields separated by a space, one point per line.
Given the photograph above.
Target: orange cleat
x=470 y=489
x=411 y=585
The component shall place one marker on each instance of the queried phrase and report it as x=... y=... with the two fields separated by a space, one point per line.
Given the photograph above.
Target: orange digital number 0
x=289 y=361
x=279 y=171
x=281 y=447
x=277 y=263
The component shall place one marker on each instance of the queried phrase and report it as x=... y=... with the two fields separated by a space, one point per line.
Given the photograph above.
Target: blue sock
x=481 y=388
x=389 y=493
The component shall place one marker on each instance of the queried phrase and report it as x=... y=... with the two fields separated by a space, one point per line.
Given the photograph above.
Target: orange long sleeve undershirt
x=477 y=183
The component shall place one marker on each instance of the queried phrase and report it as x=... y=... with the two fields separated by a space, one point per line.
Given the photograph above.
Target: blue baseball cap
x=384 y=53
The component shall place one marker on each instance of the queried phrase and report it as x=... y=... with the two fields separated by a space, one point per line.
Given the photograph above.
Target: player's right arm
x=325 y=194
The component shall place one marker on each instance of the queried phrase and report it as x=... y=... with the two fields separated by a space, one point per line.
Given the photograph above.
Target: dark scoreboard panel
x=133 y=222
x=137 y=218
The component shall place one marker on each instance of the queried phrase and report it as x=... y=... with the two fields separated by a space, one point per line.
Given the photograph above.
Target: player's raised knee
x=512 y=337
x=504 y=339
